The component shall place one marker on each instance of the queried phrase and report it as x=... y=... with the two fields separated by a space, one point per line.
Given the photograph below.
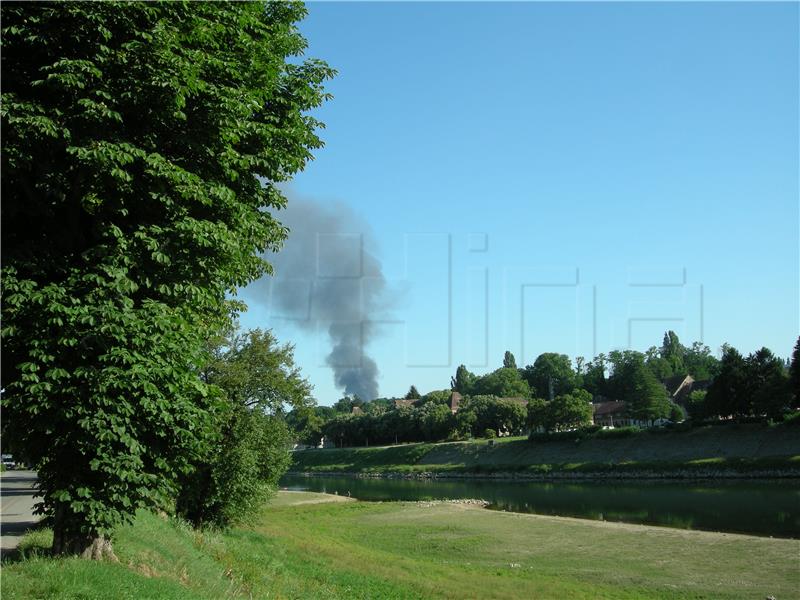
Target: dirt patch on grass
x=293 y=498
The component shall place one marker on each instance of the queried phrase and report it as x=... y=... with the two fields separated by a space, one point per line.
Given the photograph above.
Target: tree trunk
x=68 y=540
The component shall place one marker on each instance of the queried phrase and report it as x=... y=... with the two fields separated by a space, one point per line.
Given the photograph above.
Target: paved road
x=16 y=504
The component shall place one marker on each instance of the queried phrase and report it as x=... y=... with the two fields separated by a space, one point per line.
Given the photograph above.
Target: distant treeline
x=559 y=396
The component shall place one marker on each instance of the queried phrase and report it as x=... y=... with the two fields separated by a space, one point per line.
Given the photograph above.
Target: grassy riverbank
x=745 y=449
x=310 y=546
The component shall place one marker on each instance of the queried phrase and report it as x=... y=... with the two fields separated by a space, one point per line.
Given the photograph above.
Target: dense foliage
x=142 y=143
x=505 y=382
x=257 y=381
x=564 y=412
x=507 y=400
x=550 y=375
x=749 y=386
x=794 y=374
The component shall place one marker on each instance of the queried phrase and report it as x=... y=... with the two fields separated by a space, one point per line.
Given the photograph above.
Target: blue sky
x=559 y=177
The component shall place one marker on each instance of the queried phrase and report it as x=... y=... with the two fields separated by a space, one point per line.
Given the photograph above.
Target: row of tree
x=752 y=386
x=553 y=374
x=429 y=421
x=560 y=395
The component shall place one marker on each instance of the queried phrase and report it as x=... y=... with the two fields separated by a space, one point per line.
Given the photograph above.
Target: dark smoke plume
x=325 y=277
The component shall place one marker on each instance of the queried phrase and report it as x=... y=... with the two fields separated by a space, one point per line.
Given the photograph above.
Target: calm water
x=768 y=508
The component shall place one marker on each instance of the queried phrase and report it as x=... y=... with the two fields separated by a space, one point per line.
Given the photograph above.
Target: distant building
x=356 y=411
x=614 y=413
x=404 y=403
x=680 y=386
x=610 y=414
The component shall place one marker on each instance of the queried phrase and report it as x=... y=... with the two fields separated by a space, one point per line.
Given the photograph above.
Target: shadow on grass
x=36 y=541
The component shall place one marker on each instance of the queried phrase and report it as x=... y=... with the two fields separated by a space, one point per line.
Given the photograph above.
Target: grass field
x=315 y=546
x=743 y=448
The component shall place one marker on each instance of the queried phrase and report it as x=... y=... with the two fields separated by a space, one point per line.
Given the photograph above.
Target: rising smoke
x=324 y=277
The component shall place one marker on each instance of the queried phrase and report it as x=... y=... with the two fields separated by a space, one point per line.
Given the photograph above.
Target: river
x=765 y=508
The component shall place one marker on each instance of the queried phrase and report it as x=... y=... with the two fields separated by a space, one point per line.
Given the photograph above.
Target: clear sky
x=559 y=177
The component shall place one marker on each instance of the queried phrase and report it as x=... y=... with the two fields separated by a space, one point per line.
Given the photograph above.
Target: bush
x=490 y=433
x=619 y=432
x=560 y=436
x=240 y=474
x=791 y=419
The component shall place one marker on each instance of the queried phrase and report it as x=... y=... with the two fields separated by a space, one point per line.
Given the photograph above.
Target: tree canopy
x=633 y=381
x=413 y=393
x=503 y=382
x=257 y=381
x=727 y=395
x=794 y=374
x=672 y=351
x=142 y=144
x=463 y=380
x=550 y=375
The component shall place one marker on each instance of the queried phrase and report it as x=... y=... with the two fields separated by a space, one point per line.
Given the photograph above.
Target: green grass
x=741 y=448
x=159 y=558
x=304 y=547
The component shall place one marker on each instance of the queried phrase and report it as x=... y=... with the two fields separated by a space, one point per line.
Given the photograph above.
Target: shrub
x=791 y=419
x=250 y=458
x=490 y=433
x=619 y=432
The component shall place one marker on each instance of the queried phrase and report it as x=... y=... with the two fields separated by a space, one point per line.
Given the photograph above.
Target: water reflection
x=769 y=508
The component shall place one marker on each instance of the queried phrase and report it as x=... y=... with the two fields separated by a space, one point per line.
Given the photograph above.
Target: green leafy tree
x=505 y=383
x=632 y=381
x=537 y=414
x=255 y=371
x=673 y=352
x=493 y=413
x=258 y=381
x=346 y=404
x=435 y=420
x=463 y=381
x=624 y=365
x=676 y=413
x=727 y=394
x=580 y=365
x=141 y=151
x=250 y=454
x=700 y=363
x=594 y=377
x=580 y=370
x=660 y=367
x=412 y=393
x=465 y=423
x=509 y=362
x=767 y=384
x=696 y=405
x=569 y=411
x=647 y=400
x=794 y=375
x=378 y=406
x=437 y=397
x=306 y=425
x=550 y=375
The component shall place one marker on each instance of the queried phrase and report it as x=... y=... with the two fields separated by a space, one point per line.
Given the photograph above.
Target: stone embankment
x=566 y=475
